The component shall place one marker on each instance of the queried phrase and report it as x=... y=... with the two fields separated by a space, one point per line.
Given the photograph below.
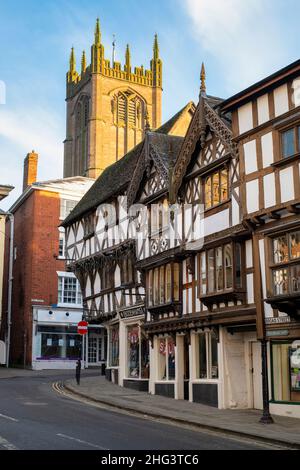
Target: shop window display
x=286 y=372
x=137 y=353
x=167 y=363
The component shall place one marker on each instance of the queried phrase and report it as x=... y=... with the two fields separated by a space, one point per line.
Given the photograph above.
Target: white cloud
x=21 y=131
x=243 y=36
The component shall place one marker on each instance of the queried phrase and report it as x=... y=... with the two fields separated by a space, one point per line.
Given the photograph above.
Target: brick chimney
x=30 y=169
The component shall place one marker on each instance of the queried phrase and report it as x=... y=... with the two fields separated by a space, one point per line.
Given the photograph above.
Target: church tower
x=107 y=107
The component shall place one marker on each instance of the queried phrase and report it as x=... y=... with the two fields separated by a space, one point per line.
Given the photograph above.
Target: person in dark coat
x=78 y=371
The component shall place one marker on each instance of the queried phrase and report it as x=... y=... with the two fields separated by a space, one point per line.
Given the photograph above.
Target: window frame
x=283 y=265
x=159 y=276
x=61 y=291
x=217 y=170
x=208 y=336
x=204 y=277
x=296 y=141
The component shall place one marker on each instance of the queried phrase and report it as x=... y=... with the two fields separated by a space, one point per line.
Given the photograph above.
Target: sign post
x=82 y=329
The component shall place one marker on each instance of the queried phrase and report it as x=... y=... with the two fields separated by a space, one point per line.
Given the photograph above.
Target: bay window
x=163 y=285
x=220 y=269
x=285 y=265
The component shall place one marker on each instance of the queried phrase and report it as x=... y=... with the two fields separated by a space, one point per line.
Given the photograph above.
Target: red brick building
x=46 y=300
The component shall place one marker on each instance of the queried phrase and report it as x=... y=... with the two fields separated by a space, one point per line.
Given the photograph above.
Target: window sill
x=70 y=306
x=224 y=296
x=170 y=305
x=218 y=208
x=286 y=160
x=287 y=303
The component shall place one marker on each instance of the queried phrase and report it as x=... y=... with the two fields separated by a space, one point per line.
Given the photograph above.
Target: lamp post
x=10 y=286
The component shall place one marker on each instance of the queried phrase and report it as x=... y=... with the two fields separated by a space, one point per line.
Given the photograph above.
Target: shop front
x=134 y=357
x=56 y=343
x=113 y=350
x=285 y=377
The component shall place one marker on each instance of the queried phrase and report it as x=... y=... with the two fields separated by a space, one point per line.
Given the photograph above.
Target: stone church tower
x=108 y=108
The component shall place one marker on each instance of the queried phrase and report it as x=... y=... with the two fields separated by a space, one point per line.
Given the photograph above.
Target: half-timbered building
x=201 y=318
x=103 y=252
x=197 y=277
x=266 y=129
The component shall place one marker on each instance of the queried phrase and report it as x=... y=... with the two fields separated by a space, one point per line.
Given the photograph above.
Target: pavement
x=34 y=415
x=243 y=423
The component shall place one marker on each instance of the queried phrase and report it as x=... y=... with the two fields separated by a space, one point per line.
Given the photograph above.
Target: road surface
x=33 y=416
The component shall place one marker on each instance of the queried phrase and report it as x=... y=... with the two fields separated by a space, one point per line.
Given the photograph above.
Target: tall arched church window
x=81 y=138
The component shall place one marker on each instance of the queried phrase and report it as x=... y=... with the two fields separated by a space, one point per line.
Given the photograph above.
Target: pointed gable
x=206 y=117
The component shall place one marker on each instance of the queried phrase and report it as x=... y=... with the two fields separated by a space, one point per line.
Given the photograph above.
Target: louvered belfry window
x=128 y=110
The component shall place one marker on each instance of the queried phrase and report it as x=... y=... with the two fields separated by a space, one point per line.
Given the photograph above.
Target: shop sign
x=136 y=312
x=275 y=333
x=277 y=321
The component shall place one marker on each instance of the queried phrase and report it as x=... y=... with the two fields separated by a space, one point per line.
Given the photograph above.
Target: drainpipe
x=10 y=286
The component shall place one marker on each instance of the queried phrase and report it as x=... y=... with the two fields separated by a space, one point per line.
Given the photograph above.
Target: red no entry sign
x=82 y=328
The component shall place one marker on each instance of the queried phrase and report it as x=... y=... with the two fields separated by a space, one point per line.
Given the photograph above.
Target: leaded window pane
x=176 y=282
x=216 y=189
x=211 y=271
x=224 y=185
x=219 y=269
x=228 y=267
x=288 y=143
x=280 y=250
x=203 y=279
x=168 y=284
x=295 y=245
x=280 y=281
x=208 y=198
x=161 y=285
x=295 y=278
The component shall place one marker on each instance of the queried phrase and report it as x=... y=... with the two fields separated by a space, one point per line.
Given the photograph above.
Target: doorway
x=96 y=349
x=256 y=375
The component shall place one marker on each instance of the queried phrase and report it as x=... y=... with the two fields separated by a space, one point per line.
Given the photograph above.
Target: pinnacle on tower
x=156 y=48
x=72 y=61
x=203 y=80
x=83 y=63
x=128 y=59
x=97 y=33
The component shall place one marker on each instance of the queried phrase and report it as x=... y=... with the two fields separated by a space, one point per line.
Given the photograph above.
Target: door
x=93 y=351
x=256 y=375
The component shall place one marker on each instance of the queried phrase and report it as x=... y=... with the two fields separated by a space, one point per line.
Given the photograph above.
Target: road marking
x=29 y=403
x=7 y=445
x=9 y=418
x=64 y=436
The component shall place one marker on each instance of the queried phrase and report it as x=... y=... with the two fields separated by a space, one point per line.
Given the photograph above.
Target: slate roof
x=117 y=177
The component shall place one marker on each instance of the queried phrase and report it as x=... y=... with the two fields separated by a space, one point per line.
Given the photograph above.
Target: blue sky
x=240 y=41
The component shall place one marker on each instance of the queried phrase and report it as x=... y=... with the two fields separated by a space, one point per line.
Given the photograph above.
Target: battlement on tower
x=100 y=65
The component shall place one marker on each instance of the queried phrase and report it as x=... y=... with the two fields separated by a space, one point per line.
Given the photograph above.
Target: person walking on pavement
x=78 y=371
